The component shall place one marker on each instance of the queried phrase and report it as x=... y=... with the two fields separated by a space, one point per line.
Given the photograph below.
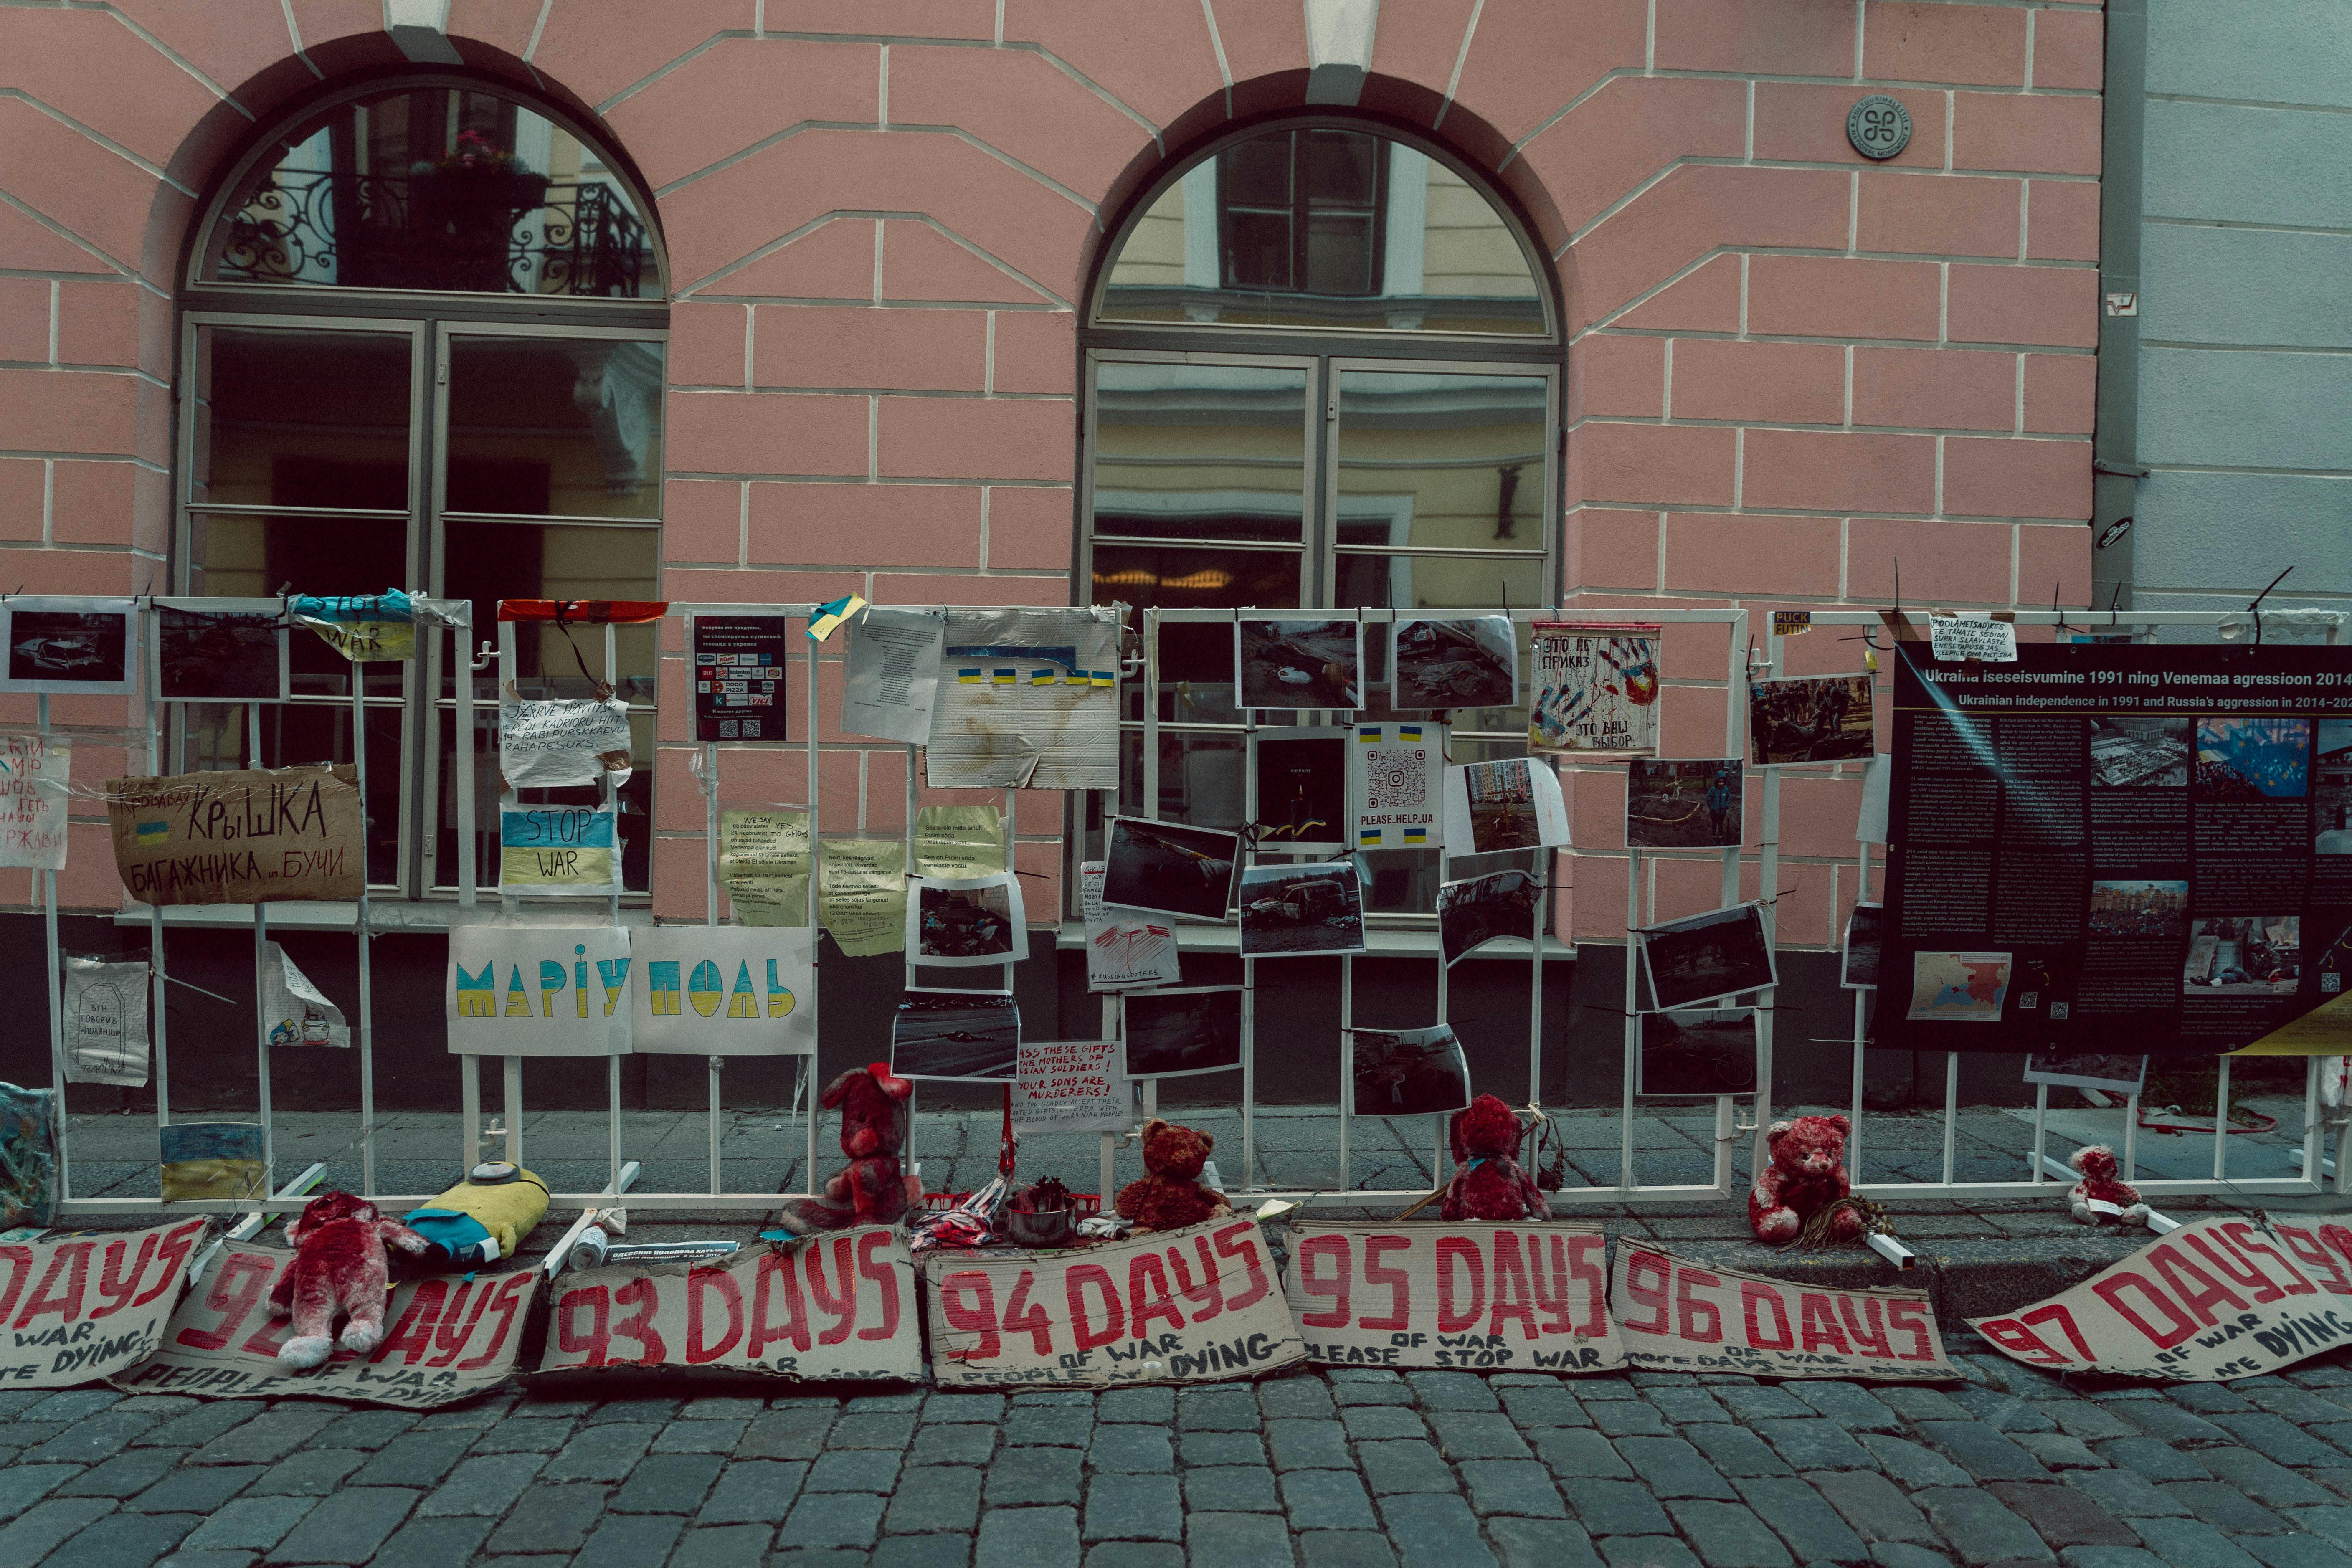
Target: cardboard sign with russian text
x=1492 y=1298
x=2223 y=1298
x=1676 y=1316
x=1174 y=1305
x=446 y=1338
x=256 y=837
x=88 y=1307
x=838 y=1306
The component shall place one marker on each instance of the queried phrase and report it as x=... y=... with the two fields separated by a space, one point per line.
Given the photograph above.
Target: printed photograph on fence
x=2244 y=955
x=1300 y=663
x=1396 y=779
x=1866 y=931
x=1512 y=1297
x=1178 y=1033
x=36 y=776
x=1302 y=791
x=1122 y=950
x=965 y=921
x=1684 y=804
x=112 y=1297
x=210 y=1159
x=1706 y=958
x=1295 y=910
x=1697 y=1051
x=67 y=645
x=295 y=1010
x=105 y=1020
x=1475 y=911
x=1878 y=789
x=538 y=991
x=1958 y=987
x=2132 y=752
x=569 y=851
x=1406 y=1072
x=185 y=838
x=1071 y=1086
x=1170 y=869
x=1676 y=1316
x=1812 y=718
x=2331 y=789
x=1469 y=661
x=1595 y=689
x=955 y=1035
x=221 y=656
x=1493 y=808
x=2109 y=1074
x=721 y=990
x=563 y=741
x=2252 y=759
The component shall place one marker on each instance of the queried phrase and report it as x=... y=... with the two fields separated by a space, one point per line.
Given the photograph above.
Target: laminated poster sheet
x=561 y=741
x=538 y=991
x=298 y=1011
x=105 y=1021
x=35 y=773
x=764 y=863
x=446 y=1338
x=1395 y=781
x=861 y=891
x=1494 y=807
x=1123 y=950
x=721 y=990
x=1071 y=1086
x=1196 y=1305
x=222 y=655
x=1027 y=699
x=2222 y=1297
x=1595 y=689
x=1496 y=1298
x=738 y=677
x=959 y=841
x=966 y=921
x=1675 y=1316
x=89 y=1306
x=69 y=647
x=562 y=851
x=839 y=1306
x=2113 y=849
x=259 y=836
x=892 y=683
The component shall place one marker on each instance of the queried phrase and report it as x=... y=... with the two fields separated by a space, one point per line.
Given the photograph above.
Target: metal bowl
x=1046 y=1227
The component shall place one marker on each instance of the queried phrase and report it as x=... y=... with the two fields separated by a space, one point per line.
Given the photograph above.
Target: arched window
x=422 y=347
x=1322 y=370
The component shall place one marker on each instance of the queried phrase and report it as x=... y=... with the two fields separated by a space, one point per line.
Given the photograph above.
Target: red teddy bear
x=1488 y=1184
x=339 y=1265
x=1170 y=1196
x=1807 y=1175
x=871 y=1190
x=2103 y=1184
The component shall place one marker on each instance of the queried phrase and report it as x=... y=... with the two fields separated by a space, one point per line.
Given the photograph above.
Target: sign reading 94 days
x=838 y=1306
x=738 y=677
x=251 y=838
x=76 y=1309
x=1500 y=1298
x=446 y=1338
x=1176 y=1305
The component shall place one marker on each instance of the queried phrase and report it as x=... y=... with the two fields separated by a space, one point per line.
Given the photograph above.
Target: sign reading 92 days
x=90 y=1307
x=1498 y=1298
x=256 y=837
x=2218 y=1299
x=445 y=1338
x=1175 y=1306
x=1676 y=1316
x=838 y=1306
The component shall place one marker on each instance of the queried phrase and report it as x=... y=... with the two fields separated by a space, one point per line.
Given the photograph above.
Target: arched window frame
x=1327 y=354
x=431 y=326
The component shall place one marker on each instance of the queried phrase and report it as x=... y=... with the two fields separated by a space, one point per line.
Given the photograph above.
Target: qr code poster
x=1396 y=775
x=1595 y=689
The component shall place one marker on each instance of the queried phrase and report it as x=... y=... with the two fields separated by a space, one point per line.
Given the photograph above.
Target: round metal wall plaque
x=1878 y=126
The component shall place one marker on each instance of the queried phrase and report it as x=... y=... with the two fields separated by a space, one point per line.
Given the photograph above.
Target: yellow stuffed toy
x=481 y=1222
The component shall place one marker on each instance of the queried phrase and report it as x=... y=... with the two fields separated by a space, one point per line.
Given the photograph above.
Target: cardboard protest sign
x=88 y=1307
x=2221 y=1298
x=563 y=850
x=1503 y=1298
x=1675 y=1316
x=34 y=771
x=563 y=741
x=256 y=837
x=1178 y=1305
x=105 y=1021
x=565 y=991
x=838 y=1306
x=1070 y=1086
x=721 y=991
x=446 y=1338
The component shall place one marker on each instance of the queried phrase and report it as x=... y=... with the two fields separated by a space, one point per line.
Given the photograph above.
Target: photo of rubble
x=1299 y=664
x=1472 y=662
x=2140 y=753
x=1815 y=719
x=1698 y=1052
x=2244 y=955
x=1302 y=910
x=2331 y=789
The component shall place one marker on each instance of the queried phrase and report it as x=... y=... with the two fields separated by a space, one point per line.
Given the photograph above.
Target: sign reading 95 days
x=262 y=836
x=738 y=677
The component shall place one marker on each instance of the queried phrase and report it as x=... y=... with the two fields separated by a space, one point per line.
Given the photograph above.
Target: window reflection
x=1202 y=452
x=295 y=418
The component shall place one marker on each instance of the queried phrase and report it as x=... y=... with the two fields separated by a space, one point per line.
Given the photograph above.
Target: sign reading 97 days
x=738 y=677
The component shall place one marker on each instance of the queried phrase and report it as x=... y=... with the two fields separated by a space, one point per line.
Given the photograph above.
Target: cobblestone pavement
x=1355 y=1469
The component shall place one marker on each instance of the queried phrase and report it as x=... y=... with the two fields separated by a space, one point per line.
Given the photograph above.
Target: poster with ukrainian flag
x=517 y=990
x=722 y=991
x=1394 y=771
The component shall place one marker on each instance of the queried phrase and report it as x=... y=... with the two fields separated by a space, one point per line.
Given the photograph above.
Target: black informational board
x=2109 y=848
x=738 y=677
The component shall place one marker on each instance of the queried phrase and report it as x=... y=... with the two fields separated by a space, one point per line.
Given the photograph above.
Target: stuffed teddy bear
x=1807 y=1176
x=1170 y=1196
x=1488 y=1184
x=870 y=1190
x=339 y=1265
x=2102 y=1185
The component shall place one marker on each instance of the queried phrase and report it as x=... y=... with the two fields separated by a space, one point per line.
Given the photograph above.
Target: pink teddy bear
x=339 y=1265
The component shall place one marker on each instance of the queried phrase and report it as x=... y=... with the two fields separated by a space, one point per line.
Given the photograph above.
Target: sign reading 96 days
x=738 y=677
